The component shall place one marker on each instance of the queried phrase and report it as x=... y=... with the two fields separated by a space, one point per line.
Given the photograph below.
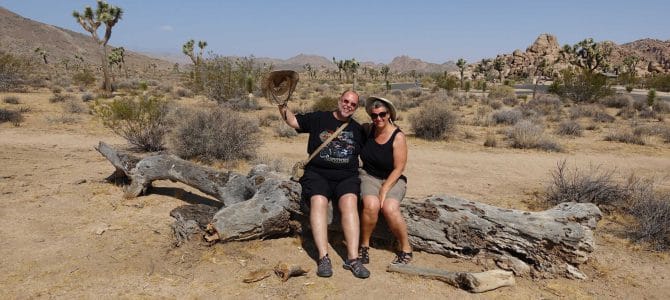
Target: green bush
x=11 y=100
x=581 y=86
x=142 y=122
x=660 y=82
x=434 y=121
x=15 y=117
x=84 y=77
x=13 y=71
x=502 y=92
x=215 y=134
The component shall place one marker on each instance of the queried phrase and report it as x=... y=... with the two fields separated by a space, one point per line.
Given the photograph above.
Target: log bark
x=472 y=282
x=266 y=204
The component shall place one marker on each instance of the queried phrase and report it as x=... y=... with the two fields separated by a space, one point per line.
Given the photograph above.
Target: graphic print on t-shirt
x=339 y=150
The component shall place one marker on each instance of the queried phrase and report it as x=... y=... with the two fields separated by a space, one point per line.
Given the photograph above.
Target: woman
x=383 y=186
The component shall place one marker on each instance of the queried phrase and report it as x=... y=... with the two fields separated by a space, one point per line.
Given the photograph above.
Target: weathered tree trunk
x=472 y=282
x=265 y=204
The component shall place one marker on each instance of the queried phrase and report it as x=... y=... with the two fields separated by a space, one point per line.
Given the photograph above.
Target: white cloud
x=166 y=28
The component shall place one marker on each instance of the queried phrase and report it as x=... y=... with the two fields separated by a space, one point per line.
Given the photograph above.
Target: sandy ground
x=66 y=233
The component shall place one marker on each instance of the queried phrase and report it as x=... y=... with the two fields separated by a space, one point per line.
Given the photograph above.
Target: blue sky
x=435 y=31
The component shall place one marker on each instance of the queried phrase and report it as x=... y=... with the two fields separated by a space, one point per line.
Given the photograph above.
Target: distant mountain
x=405 y=63
x=19 y=35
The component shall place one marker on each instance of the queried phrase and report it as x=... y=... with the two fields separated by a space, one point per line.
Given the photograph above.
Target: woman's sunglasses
x=381 y=115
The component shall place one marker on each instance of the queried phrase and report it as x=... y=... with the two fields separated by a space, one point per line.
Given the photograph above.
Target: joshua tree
x=188 y=50
x=340 y=67
x=461 y=66
x=588 y=54
x=310 y=70
x=385 y=71
x=90 y=20
x=499 y=65
x=350 y=67
x=631 y=64
x=116 y=57
x=43 y=54
x=540 y=69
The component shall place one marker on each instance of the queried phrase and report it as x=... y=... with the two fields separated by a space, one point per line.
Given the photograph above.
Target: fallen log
x=478 y=282
x=265 y=204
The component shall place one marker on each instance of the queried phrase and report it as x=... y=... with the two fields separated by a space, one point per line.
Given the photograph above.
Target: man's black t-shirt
x=339 y=159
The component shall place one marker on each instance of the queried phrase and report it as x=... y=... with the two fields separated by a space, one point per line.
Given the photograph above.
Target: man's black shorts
x=314 y=183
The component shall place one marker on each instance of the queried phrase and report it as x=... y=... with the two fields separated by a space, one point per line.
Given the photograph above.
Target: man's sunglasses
x=381 y=115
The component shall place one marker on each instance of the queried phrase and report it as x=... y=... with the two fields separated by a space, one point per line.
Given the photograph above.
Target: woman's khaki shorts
x=370 y=185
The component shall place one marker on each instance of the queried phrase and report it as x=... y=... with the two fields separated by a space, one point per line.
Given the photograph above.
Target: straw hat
x=371 y=100
x=279 y=85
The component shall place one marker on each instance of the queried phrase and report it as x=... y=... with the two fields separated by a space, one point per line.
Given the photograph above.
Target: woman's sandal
x=403 y=258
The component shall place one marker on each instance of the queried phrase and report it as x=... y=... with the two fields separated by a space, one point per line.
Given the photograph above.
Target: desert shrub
x=496 y=104
x=625 y=136
x=660 y=82
x=63 y=119
x=182 y=92
x=526 y=135
x=581 y=86
x=283 y=130
x=482 y=116
x=325 y=104
x=662 y=107
x=227 y=78
x=627 y=112
x=502 y=92
x=215 y=134
x=570 y=127
x=73 y=107
x=164 y=87
x=510 y=101
x=13 y=71
x=647 y=114
x=509 y=116
x=87 y=97
x=653 y=221
x=594 y=111
x=545 y=104
x=658 y=130
x=490 y=140
x=58 y=97
x=11 y=100
x=617 y=101
x=242 y=104
x=13 y=116
x=274 y=164
x=593 y=186
x=24 y=109
x=142 y=122
x=413 y=93
x=434 y=121
x=407 y=103
x=84 y=77
x=267 y=119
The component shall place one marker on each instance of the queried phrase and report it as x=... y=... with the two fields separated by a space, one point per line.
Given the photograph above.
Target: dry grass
x=509 y=116
x=625 y=136
x=11 y=100
x=526 y=135
x=570 y=128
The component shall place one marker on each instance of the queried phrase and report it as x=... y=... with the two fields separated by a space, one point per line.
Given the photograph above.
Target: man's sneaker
x=324 y=267
x=402 y=258
x=356 y=267
x=363 y=255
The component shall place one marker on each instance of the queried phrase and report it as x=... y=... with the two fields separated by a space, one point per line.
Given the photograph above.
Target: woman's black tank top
x=378 y=159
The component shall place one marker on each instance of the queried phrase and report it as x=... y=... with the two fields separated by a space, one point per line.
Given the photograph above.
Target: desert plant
x=13 y=116
x=570 y=127
x=58 y=97
x=617 y=101
x=502 y=92
x=434 y=120
x=653 y=221
x=526 y=135
x=461 y=63
x=496 y=104
x=84 y=77
x=593 y=186
x=659 y=82
x=509 y=116
x=142 y=122
x=284 y=130
x=651 y=97
x=491 y=140
x=581 y=86
x=267 y=119
x=625 y=136
x=11 y=100
x=87 y=97
x=545 y=104
x=90 y=20
x=215 y=134
x=13 y=71
x=73 y=107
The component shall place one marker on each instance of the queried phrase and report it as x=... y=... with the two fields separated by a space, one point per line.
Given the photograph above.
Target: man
x=332 y=174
